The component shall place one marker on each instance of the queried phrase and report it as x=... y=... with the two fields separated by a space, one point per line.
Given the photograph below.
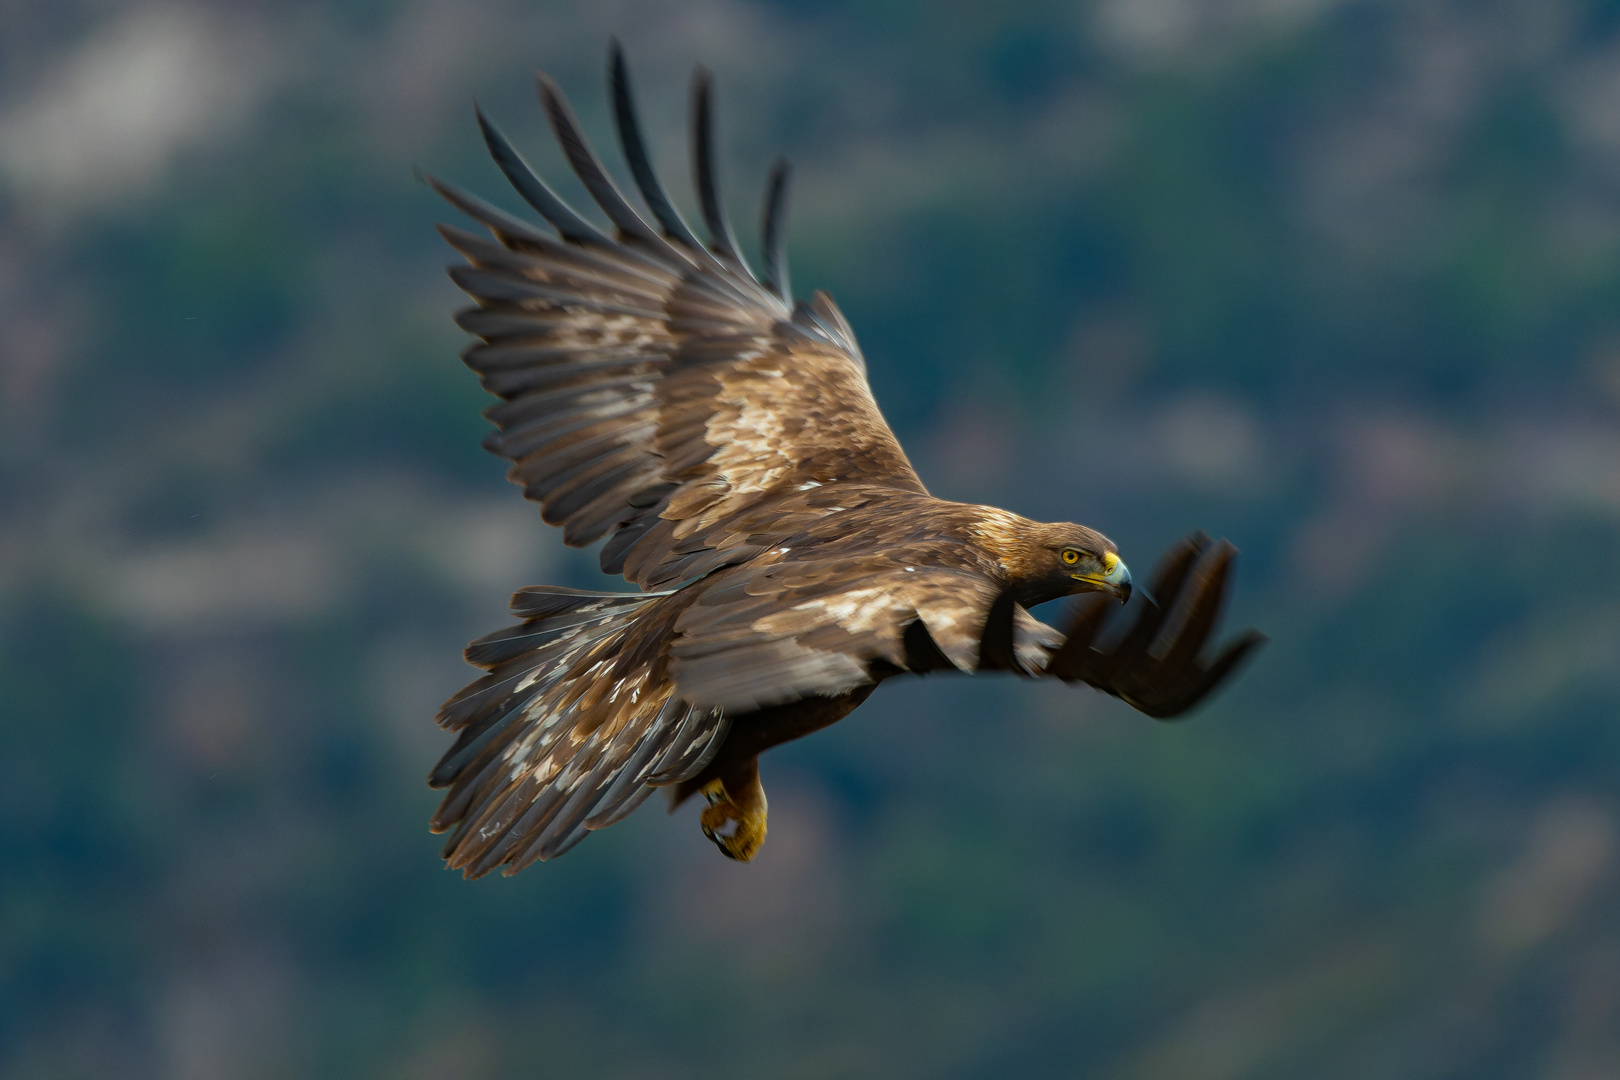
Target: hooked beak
x=1115 y=578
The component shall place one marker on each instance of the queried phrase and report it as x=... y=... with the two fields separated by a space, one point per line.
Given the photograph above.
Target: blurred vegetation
x=1335 y=278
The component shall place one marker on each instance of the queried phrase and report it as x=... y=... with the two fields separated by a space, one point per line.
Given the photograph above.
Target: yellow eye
x=1070 y=556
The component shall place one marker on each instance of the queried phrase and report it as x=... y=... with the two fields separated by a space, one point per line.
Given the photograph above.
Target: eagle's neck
x=1009 y=540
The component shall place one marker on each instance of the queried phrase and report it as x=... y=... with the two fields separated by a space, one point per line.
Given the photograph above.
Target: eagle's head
x=1064 y=558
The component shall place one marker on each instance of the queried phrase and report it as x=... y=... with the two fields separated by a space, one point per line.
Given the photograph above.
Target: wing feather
x=705 y=174
x=635 y=153
x=535 y=191
x=774 y=230
x=589 y=169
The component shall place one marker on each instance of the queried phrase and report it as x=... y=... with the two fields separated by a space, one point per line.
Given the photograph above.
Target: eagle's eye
x=1070 y=556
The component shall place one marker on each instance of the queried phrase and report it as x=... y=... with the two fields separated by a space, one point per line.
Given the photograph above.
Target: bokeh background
x=1338 y=279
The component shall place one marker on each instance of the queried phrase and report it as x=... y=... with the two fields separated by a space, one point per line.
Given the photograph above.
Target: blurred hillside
x=1338 y=279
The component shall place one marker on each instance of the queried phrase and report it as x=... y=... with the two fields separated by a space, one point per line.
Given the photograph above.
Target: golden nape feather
x=657 y=394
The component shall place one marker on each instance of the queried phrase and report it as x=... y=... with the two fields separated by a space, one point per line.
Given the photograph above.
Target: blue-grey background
x=1338 y=279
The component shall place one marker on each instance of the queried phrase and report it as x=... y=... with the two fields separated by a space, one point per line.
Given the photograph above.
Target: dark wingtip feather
x=1074 y=658
x=534 y=190
x=588 y=167
x=487 y=214
x=1232 y=657
x=775 y=229
x=996 y=639
x=721 y=239
x=635 y=153
x=1198 y=609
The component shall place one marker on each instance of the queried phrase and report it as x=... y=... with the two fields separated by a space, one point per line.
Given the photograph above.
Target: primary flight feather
x=656 y=392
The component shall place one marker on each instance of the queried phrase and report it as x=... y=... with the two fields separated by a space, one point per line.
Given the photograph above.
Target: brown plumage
x=724 y=441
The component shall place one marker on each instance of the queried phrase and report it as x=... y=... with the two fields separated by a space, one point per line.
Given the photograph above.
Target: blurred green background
x=1337 y=279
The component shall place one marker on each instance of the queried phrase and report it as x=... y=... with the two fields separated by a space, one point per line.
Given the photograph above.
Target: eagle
x=657 y=391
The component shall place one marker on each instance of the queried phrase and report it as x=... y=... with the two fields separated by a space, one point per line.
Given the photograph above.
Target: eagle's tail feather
x=569 y=731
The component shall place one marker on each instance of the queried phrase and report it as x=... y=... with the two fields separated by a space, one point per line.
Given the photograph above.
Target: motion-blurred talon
x=738 y=831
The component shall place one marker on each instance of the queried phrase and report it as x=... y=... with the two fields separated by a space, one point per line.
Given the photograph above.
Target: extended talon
x=745 y=816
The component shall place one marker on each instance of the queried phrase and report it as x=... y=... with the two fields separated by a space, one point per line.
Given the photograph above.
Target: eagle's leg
x=735 y=816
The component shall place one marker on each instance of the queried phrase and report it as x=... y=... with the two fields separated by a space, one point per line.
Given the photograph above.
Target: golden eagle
x=656 y=391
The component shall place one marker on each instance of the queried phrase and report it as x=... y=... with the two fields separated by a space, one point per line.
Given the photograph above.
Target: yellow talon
x=742 y=842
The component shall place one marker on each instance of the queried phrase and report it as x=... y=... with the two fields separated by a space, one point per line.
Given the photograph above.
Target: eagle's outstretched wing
x=766 y=634
x=653 y=387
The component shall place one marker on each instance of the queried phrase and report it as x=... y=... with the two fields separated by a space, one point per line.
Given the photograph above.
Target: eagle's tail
x=571 y=729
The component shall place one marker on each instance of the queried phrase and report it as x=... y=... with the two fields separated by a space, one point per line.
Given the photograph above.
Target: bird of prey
x=657 y=391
